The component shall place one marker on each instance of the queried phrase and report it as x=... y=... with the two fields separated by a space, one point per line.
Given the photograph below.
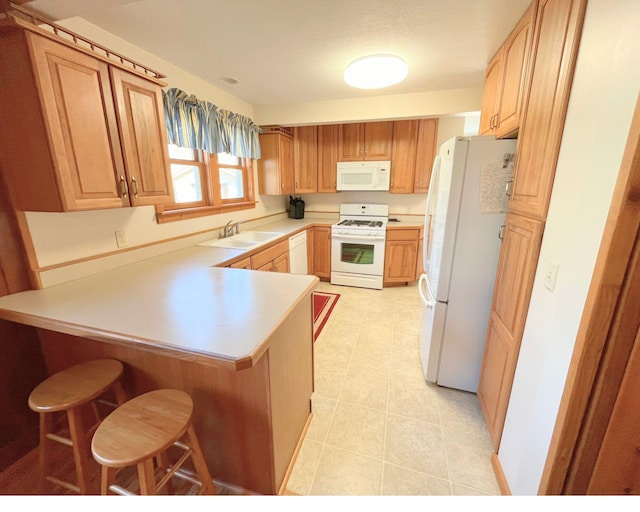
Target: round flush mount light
x=228 y=80
x=376 y=71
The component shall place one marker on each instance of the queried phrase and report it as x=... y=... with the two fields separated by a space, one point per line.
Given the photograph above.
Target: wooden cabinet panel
x=403 y=156
x=492 y=84
x=281 y=263
x=425 y=154
x=305 y=158
x=512 y=291
x=243 y=263
x=506 y=81
x=327 y=157
x=275 y=166
x=365 y=141
x=400 y=261
x=322 y=252
x=144 y=138
x=267 y=255
x=557 y=32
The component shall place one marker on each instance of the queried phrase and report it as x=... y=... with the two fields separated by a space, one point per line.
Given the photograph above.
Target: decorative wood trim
x=29 y=250
x=570 y=447
x=500 y=477
x=283 y=488
x=164 y=215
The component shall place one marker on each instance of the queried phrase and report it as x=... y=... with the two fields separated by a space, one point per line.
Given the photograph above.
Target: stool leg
x=107 y=477
x=199 y=462
x=119 y=392
x=80 y=448
x=46 y=422
x=163 y=463
x=146 y=476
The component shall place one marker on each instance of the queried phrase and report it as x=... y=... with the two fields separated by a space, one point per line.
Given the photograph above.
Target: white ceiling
x=290 y=51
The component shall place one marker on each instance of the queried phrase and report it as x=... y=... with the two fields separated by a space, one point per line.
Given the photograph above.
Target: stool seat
x=75 y=386
x=140 y=432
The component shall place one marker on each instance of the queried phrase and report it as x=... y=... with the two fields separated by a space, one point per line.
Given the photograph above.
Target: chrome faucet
x=230 y=227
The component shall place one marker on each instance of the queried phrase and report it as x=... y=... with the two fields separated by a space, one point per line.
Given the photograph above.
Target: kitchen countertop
x=178 y=302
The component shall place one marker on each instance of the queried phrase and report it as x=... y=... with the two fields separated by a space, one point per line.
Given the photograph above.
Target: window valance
x=198 y=124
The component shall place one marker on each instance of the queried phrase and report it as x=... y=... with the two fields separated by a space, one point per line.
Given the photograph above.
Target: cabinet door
x=244 y=263
x=286 y=165
x=400 y=261
x=378 y=137
x=327 y=157
x=403 y=156
x=81 y=120
x=556 y=39
x=322 y=251
x=516 y=55
x=425 y=154
x=512 y=291
x=275 y=166
x=305 y=159
x=492 y=84
x=144 y=138
x=281 y=263
x=350 y=142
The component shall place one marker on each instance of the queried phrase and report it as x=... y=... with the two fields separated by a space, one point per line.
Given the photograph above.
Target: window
x=204 y=184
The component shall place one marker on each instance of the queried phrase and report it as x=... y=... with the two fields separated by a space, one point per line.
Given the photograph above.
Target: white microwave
x=364 y=175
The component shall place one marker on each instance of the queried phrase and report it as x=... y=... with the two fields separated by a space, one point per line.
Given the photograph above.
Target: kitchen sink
x=245 y=240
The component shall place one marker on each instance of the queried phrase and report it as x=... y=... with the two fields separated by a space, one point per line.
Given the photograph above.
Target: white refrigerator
x=465 y=210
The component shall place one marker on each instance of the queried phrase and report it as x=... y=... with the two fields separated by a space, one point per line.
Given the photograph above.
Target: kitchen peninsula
x=239 y=342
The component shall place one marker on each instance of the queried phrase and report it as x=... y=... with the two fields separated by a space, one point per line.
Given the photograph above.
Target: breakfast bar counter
x=240 y=342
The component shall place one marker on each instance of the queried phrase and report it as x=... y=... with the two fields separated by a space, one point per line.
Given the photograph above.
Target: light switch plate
x=551 y=275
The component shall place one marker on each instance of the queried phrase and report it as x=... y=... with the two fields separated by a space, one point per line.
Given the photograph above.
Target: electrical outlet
x=551 y=275
x=121 y=238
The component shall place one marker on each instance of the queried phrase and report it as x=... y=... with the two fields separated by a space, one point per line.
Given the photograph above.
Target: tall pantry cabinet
x=556 y=37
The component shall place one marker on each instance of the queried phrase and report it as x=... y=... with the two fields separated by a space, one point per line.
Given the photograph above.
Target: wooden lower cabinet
x=402 y=249
x=243 y=263
x=273 y=259
x=512 y=292
x=321 y=252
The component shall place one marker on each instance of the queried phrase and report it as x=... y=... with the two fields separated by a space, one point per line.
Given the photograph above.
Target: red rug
x=323 y=304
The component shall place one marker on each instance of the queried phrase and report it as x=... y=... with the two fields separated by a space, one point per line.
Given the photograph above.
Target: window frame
x=212 y=202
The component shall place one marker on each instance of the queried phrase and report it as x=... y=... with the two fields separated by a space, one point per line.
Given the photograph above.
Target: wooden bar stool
x=72 y=391
x=140 y=433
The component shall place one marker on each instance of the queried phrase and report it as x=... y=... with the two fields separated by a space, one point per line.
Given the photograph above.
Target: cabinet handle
x=501 y=232
x=366 y=150
x=124 y=189
x=135 y=187
x=507 y=188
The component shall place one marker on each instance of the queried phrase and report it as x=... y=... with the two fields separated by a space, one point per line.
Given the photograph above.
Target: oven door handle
x=358 y=237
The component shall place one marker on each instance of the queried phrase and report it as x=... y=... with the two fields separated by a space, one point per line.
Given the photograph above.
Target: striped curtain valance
x=198 y=124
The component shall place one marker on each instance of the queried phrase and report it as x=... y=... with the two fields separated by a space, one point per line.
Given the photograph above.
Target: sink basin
x=245 y=240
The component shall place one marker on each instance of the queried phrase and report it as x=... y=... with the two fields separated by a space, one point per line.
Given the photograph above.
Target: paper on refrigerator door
x=493 y=184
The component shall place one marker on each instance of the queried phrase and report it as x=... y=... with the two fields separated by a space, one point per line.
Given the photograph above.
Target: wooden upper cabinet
x=144 y=138
x=556 y=39
x=425 y=154
x=275 y=166
x=365 y=141
x=305 y=159
x=413 y=151
x=64 y=151
x=327 y=157
x=512 y=290
x=506 y=81
x=403 y=156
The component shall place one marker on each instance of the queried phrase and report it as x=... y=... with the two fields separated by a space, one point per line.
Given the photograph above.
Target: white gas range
x=357 y=245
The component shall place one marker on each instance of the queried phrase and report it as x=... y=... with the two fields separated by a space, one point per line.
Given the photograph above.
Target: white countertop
x=178 y=302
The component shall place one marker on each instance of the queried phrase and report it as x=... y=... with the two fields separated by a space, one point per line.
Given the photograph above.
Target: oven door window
x=357 y=254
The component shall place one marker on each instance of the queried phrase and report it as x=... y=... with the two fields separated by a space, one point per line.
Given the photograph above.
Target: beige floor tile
x=415 y=444
x=461 y=490
x=328 y=382
x=469 y=461
x=415 y=400
x=358 y=429
x=332 y=350
x=344 y=473
x=371 y=358
x=305 y=467
x=398 y=481
x=461 y=411
x=322 y=409
x=365 y=388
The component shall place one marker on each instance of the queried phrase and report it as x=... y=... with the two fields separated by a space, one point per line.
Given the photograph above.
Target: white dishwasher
x=298 y=253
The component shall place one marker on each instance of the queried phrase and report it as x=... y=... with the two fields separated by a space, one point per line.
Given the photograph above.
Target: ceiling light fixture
x=376 y=71
x=228 y=80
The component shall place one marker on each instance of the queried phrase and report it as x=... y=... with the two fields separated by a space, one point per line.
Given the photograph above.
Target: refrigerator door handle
x=425 y=300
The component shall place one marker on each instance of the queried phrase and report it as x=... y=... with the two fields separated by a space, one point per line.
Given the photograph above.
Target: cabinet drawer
x=243 y=263
x=404 y=234
x=269 y=254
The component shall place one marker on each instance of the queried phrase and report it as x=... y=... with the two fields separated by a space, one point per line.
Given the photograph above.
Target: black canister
x=298 y=208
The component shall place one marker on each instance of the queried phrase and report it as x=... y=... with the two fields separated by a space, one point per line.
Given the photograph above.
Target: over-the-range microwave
x=364 y=175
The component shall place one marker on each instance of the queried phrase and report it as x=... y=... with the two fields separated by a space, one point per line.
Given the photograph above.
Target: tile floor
x=378 y=429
